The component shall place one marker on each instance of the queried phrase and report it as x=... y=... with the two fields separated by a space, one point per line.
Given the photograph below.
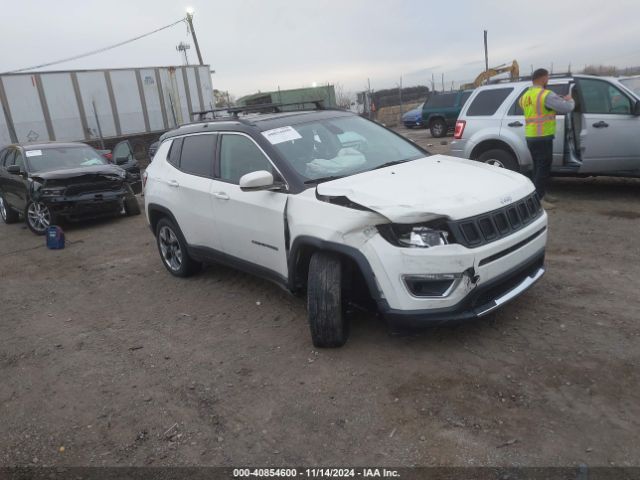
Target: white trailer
x=102 y=107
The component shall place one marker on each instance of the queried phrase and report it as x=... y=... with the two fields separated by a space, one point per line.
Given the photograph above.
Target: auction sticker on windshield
x=281 y=134
x=34 y=153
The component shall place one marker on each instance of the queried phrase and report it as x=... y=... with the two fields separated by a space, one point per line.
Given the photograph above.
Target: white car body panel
x=431 y=187
x=260 y=227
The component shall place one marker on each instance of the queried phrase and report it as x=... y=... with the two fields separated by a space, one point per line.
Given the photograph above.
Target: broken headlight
x=415 y=236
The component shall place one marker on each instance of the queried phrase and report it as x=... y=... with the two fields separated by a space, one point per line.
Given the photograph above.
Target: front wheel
x=500 y=158
x=131 y=206
x=39 y=217
x=329 y=327
x=8 y=214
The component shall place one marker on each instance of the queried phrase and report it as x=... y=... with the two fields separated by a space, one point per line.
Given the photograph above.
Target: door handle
x=601 y=124
x=515 y=124
x=220 y=195
x=173 y=183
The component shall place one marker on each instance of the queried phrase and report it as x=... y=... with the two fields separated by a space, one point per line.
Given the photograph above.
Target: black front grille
x=488 y=227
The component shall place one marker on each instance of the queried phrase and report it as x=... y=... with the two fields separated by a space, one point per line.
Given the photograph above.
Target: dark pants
x=541 y=149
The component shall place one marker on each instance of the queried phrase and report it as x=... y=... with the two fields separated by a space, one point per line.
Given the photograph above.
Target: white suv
x=352 y=214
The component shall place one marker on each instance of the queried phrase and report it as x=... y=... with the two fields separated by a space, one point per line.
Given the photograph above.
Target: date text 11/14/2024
x=315 y=472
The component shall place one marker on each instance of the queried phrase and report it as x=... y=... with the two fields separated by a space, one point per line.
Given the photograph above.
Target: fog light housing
x=437 y=285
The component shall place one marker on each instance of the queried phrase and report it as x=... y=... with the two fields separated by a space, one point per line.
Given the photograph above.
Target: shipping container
x=102 y=107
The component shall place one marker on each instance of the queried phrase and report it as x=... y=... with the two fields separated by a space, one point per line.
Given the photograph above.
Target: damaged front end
x=78 y=195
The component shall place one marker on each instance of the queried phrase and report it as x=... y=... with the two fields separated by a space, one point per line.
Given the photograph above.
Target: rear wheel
x=173 y=250
x=39 y=217
x=500 y=158
x=438 y=128
x=8 y=214
x=329 y=327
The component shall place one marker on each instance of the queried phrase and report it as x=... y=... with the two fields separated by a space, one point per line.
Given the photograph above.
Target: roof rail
x=528 y=78
x=265 y=107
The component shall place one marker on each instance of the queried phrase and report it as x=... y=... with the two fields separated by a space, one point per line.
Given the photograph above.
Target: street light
x=190 y=11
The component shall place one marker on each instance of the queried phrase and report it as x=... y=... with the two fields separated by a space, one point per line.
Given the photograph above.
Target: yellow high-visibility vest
x=539 y=120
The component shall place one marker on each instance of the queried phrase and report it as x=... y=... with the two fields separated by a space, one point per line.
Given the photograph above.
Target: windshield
x=338 y=147
x=60 y=158
x=632 y=84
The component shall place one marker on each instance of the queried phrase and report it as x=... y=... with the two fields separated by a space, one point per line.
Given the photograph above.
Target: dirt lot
x=106 y=359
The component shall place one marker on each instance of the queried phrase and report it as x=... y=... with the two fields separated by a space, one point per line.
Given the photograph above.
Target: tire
x=329 y=327
x=173 y=250
x=438 y=128
x=39 y=217
x=131 y=206
x=8 y=214
x=500 y=158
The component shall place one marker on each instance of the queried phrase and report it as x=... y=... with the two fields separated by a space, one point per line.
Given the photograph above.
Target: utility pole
x=443 y=82
x=433 y=83
x=486 y=53
x=193 y=34
x=400 y=92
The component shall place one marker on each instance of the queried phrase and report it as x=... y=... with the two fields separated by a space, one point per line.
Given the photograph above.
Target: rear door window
x=174 y=154
x=487 y=102
x=561 y=89
x=197 y=155
x=442 y=100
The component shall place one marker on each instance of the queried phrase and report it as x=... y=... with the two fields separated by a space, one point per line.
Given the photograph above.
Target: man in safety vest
x=540 y=107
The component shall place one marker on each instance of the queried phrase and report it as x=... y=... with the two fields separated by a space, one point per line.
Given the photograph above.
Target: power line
x=93 y=52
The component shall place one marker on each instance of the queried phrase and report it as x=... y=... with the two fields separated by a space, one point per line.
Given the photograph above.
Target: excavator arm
x=513 y=70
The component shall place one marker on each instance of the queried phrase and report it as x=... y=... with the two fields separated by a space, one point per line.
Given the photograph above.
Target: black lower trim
x=209 y=255
x=470 y=306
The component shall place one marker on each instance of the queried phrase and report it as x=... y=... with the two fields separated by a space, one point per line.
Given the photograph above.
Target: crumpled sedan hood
x=94 y=170
x=431 y=187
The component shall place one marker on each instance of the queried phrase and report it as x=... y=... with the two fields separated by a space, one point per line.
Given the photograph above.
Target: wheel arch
x=492 y=144
x=156 y=212
x=303 y=248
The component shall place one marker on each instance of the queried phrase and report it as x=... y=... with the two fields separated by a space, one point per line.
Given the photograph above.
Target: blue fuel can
x=55 y=237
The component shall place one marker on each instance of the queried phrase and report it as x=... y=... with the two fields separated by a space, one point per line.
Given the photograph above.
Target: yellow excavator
x=513 y=70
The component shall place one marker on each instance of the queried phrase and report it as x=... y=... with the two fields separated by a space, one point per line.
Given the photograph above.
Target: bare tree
x=343 y=98
x=223 y=98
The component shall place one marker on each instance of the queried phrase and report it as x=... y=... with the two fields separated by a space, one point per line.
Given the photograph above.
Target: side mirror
x=636 y=108
x=121 y=160
x=14 y=169
x=260 y=180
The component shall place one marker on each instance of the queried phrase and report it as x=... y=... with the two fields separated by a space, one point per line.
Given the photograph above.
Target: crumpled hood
x=93 y=170
x=431 y=187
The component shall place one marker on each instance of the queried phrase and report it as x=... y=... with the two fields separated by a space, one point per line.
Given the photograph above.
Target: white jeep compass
x=338 y=207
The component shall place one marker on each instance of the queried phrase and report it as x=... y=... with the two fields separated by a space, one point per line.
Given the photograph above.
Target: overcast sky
x=262 y=44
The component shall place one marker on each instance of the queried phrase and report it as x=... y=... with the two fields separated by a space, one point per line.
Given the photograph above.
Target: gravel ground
x=106 y=359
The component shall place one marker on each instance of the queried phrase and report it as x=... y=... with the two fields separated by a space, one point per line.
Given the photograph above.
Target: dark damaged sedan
x=50 y=182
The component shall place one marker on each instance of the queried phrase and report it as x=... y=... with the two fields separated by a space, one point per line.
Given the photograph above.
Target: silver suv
x=600 y=137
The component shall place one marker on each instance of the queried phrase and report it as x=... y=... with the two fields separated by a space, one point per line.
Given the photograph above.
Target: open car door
x=608 y=131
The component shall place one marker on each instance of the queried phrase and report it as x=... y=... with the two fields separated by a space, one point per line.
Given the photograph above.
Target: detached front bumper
x=88 y=205
x=483 y=300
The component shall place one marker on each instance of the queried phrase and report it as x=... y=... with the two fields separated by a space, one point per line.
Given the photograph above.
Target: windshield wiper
x=389 y=164
x=323 y=179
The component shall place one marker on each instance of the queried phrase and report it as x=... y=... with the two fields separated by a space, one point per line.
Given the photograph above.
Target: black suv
x=52 y=181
